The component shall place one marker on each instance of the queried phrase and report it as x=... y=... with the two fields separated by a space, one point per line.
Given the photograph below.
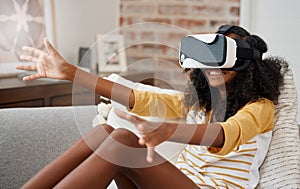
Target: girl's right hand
x=152 y=133
x=48 y=64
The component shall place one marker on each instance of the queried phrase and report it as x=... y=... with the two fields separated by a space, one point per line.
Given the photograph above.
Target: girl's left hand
x=47 y=64
x=152 y=133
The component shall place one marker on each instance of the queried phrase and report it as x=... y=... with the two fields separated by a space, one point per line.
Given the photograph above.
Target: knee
x=118 y=142
x=104 y=128
x=96 y=136
x=125 y=137
x=122 y=148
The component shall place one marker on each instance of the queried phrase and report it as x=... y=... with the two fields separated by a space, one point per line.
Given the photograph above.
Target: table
x=15 y=92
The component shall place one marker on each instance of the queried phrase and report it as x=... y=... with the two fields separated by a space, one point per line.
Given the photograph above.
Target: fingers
x=150 y=150
x=149 y=139
x=150 y=154
x=142 y=128
x=120 y=113
x=32 y=51
x=29 y=58
x=31 y=77
x=26 y=67
x=131 y=118
x=142 y=125
x=142 y=141
x=35 y=53
x=48 y=46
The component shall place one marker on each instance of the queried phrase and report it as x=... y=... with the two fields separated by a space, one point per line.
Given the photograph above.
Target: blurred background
x=72 y=26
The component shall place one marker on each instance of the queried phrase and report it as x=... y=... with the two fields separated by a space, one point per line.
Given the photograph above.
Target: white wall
x=278 y=22
x=74 y=23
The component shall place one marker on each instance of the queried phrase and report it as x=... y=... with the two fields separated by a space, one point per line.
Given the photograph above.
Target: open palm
x=48 y=64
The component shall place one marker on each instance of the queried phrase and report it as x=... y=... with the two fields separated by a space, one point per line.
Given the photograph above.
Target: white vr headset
x=216 y=51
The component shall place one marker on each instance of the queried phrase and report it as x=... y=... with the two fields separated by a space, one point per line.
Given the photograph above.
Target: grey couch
x=32 y=137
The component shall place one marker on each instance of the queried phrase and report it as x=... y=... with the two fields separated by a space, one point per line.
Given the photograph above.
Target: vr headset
x=216 y=51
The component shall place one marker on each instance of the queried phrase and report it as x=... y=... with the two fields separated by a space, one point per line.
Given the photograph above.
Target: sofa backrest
x=281 y=168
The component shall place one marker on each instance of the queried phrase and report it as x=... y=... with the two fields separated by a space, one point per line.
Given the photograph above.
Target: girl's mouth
x=215 y=72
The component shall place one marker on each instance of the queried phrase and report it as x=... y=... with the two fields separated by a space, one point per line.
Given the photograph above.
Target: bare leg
x=124 y=182
x=64 y=164
x=121 y=154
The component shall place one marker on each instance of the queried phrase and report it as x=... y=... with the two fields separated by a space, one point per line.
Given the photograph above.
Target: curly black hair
x=261 y=79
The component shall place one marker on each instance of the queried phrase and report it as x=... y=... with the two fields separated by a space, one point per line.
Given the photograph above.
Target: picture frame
x=110 y=52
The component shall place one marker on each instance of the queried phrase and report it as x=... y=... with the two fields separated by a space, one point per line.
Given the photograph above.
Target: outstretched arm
x=51 y=64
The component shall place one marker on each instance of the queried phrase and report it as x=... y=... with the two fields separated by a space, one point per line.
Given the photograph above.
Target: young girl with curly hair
x=229 y=120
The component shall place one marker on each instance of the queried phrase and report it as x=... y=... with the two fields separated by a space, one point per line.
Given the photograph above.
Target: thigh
x=132 y=157
x=162 y=176
x=120 y=153
x=123 y=182
x=96 y=136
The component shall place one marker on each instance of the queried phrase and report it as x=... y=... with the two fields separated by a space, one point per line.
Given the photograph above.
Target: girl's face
x=218 y=77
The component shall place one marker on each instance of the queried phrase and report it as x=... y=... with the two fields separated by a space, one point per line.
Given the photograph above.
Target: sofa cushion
x=32 y=137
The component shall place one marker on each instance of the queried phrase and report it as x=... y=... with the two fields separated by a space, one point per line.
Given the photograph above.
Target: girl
x=229 y=113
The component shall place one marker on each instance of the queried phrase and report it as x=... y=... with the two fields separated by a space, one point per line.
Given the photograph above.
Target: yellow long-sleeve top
x=247 y=137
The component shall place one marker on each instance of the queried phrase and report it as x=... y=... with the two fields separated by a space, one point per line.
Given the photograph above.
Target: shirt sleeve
x=149 y=103
x=253 y=119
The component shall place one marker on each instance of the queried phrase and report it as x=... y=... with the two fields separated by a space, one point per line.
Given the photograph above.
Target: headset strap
x=248 y=53
x=224 y=29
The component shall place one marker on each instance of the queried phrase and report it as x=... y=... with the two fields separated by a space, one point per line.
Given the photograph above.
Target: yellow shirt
x=247 y=137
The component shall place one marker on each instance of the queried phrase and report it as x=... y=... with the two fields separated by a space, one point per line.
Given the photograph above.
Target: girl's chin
x=216 y=82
